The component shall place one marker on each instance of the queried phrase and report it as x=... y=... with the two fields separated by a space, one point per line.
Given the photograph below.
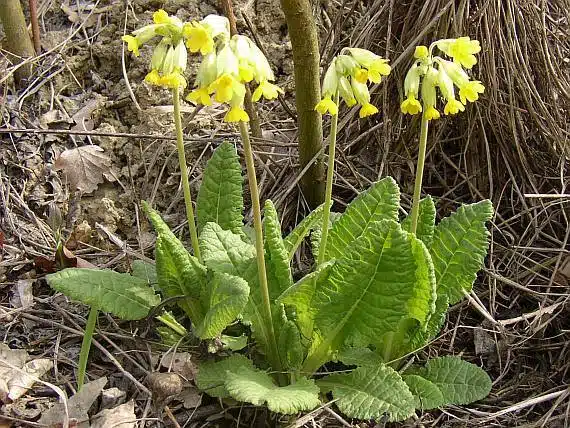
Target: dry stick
x=35 y=25
x=305 y=43
x=254 y=124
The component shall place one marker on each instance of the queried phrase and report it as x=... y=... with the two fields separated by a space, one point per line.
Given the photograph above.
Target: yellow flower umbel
x=346 y=79
x=226 y=69
x=169 y=56
x=432 y=72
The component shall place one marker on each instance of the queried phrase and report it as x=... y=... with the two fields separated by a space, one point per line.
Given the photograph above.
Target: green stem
x=184 y=174
x=259 y=248
x=86 y=346
x=328 y=190
x=419 y=172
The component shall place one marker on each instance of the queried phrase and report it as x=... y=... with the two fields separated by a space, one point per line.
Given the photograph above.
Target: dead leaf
x=112 y=397
x=190 y=397
x=22 y=296
x=122 y=416
x=9 y=358
x=84 y=167
x=164 y=386
x=180 y=363
x=78 y=405
x=23 y=380
x=64 y=258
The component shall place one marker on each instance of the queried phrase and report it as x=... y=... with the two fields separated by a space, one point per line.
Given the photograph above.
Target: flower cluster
x=225 y=70
x=347 y=77
x=435 y=72
x=228 y=62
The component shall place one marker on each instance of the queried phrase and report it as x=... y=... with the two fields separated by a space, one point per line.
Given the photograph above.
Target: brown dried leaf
x=84 y=167
x=22 y=296
x=23 y=380
x=122 y=416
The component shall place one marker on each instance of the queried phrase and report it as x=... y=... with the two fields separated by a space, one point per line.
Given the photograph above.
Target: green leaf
x=257 y=387
x=376 y=284
x=426 y=394
x=426 y=221
x=459 y=248
x=369 y=392
x=224 y=300
x=351 y=356
x=220 y=199
x=212 y=375
x=423 y=334
x=460 y=382
x=144 y=270
x=178 y=272
x=234 y=343
x=123 y=295
x=300 y=295
x=276 y=257
x=291 y=350
x=295 y=238
x=379 y=202
x=225 y=251
x=317 y=233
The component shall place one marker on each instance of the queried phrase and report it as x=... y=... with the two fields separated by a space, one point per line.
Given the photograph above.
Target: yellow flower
x=462 y=50
x=367 y=110
x=377 y=69
x=470 y=91
x=225 y=87
x=361 y=75
x=200 y=96
x=198 y=38
x=431 y=113
x=269 y=91
x=327 y=105
x=172 y=80
x=132 y=44
x=411 y=105
x=453 y=106
x=245 y=72
x=421 y=52
x=153 y=77
x=160 y=17
x=236 y=114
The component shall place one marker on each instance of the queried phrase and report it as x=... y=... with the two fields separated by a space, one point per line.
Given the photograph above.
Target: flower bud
x=158 y=55
x=218 y=25
x=330 y=82
x=227 y=62
x=429 y=95
x=421 y=52
x=445 y=85
x=345 y=91
x=360 y=91
x=207 y=72
x=346 y=65
x=412 y=81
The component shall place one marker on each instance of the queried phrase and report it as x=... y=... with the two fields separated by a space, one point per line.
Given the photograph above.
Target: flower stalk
x=259 y=246
x=184 y=174
x=419 y=173
x=329 y=185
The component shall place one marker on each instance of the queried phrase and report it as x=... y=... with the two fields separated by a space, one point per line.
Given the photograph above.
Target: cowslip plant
x=379 y=290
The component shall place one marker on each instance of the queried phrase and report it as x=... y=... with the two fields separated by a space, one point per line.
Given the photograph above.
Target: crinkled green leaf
x=426 y=394
x=459 y=248
x=317 y=233
x=369 y=392
x=295 y=238
x=426 y=221
x=223 y=299
x=123 y=295
x=220 y=199
x=276 y=257
x=359 y=357
x=372 y=287
x=224 y=251
x=291 y=349
x=460 y=382
x=212 y=375
x=234 y=343
x=257 y=387
x=422 y=335
x=144 y=270
x=379 y=202
x=300 y=296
